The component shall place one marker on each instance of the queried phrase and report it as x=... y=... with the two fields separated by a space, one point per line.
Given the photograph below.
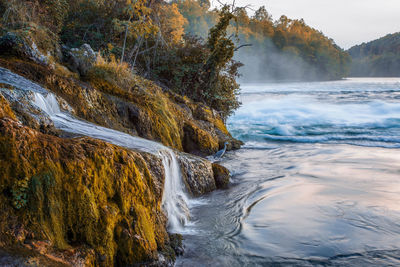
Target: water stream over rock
x=175 y=201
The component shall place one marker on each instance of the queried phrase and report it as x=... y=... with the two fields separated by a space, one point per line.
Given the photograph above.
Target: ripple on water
x=325 y=206
x=316 y=184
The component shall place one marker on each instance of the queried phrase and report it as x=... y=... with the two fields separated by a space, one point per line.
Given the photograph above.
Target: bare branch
x=243 y=45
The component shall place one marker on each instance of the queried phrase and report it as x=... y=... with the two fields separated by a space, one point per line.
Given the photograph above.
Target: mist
x=267 y=63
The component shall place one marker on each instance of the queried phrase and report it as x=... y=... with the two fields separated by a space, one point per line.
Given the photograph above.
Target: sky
x=348 y=22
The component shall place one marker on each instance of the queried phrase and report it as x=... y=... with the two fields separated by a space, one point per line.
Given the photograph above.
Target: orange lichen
x=5 y=110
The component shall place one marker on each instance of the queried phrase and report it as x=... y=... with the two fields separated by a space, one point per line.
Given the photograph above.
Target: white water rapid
x=175 y=200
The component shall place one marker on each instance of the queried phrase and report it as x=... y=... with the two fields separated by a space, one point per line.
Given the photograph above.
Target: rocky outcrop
x=197 y=174
x=221 y=175
x=25 y=112
x=95 y=202
x=12 y=44
x=84 y=202
x=144 y=110
x=80 y=59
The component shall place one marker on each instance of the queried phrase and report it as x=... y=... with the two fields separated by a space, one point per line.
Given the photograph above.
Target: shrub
x=117 y=74
x=203 y=71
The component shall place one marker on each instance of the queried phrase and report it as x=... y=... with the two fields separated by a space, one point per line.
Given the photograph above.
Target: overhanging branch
x=243 y=45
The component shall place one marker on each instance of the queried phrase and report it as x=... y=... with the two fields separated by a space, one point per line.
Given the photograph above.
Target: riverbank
x=78 y=201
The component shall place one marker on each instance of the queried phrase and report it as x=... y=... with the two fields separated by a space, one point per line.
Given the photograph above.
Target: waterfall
x=174 y=200
x=48 y=104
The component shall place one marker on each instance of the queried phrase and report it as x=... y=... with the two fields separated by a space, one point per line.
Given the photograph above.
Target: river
x=317 y=182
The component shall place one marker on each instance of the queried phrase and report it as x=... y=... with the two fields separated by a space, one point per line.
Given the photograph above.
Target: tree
x=171 y=22
x=138 y=26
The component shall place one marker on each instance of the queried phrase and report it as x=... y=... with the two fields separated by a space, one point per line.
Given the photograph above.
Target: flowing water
x=175 y=201
x=317 y=182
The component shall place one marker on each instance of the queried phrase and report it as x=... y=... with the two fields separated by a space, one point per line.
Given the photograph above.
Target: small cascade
x=48 y=104
x=174 y=201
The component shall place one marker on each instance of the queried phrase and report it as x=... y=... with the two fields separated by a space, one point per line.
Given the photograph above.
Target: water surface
x=316 y=184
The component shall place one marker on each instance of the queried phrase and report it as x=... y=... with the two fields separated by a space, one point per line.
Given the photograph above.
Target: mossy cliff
x=142 y=109
x=98 y=202
x=84 y=202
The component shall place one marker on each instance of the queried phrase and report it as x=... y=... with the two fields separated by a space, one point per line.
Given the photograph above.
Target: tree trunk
x=123 y=47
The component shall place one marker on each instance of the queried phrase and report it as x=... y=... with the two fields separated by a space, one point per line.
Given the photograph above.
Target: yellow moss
x=83 y=191
x=64 y=72
x=198 y=140
x=5 y=110
x=216 y=121
x=161 y=115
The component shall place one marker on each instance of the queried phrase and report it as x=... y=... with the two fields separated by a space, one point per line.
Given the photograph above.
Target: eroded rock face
x=25 y=112
x=197 y=174
x=80 y=194
x=99 y=200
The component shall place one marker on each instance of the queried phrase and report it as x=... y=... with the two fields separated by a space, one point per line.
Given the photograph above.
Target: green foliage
x=379 y=58
x=222 y=89
x=204 y=71
x=150 y=35
x=91 y=22
x=57 y=10
x=20 y=193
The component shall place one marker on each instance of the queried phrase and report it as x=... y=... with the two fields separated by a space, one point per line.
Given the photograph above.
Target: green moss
x=19 y=193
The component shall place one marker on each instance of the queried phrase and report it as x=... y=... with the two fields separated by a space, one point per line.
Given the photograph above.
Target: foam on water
x=299 y=195
x=354 y=117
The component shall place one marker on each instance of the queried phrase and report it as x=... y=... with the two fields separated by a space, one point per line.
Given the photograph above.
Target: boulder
x=221 y=176
x=197 y=174
x=71 y=194
x=12 y=44
x=80 y=59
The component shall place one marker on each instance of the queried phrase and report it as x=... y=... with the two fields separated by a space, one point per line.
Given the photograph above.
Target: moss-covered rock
x=80 y=59
x=5 y=110
x=79 y=193
x=198 y=141
x=13 y=44
x=143 y=109
x=221 y=175
x=197 y=174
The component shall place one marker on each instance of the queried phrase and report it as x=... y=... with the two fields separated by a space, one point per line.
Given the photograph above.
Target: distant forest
x=378 y=58
x=284 y=49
